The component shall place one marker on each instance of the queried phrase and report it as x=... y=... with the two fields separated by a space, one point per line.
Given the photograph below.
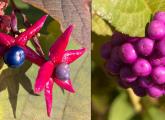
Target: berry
x=115 y=54
x=106 y=50
x=62 y=71
x=113 y=66
x=144 y=82
x=155 y=91
x=156 y=30
x=128 y=53
x=160 y=47
x=14 y=57
x=138 y=90
x=158 y=75
x=145 y=46
x=142 y=67
x=123 y=84
x=132 y=39
x=126 y=74
x=157 y=61
x=117 y=39
x=160 y=16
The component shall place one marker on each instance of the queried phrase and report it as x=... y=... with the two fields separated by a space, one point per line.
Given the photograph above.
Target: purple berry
x=145 y=46
x=113 y=66
x=139 y=91
x=144 y=82
x=132 y=39
x=62 y=71
x=106 y=50
x=117 y=39
x=142 y=67
x=158 y=75
x=160 y=16
x=115 y=54
x=157 y=61
x=156 y=30
x=126 y=74
x=160 y=46
x=155 y=91
x=123 y=84
x=128 y=53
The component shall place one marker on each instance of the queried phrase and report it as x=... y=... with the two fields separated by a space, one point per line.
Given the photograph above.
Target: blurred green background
x=109 y=101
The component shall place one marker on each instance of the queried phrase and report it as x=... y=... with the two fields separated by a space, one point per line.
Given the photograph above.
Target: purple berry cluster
x=139 y=62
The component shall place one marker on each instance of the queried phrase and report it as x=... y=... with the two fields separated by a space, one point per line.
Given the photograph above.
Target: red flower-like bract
x=57 y=55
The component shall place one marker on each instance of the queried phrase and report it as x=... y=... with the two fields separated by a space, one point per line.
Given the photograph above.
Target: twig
x=135 y=100
x=27 y=24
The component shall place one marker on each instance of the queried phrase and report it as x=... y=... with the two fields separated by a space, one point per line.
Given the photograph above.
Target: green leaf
x=156 y=113
x=156 y=5
x=127 y=16
x=100 y=27
x=121 y=109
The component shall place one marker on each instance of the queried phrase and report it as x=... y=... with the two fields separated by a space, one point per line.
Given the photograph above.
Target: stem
x=135 y=101
x=27 y=24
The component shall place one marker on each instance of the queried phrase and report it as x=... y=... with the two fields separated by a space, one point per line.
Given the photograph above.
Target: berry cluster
x=139 y=62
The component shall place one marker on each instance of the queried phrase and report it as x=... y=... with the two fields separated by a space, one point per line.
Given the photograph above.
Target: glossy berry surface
x=145 y=46
x=142 y=67
x=160 y=47
x=158 y=74
x=156 y=30
x=126 y=74
x=160 y=16
x=128 y=53
x=14 y=57
x=63 y=71
x=155 y=91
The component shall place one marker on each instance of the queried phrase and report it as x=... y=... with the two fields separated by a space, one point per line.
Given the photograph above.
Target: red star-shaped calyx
x=7 y=41
x=57 y=55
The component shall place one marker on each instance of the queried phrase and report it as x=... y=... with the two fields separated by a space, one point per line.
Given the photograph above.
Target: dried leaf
x=68 y=12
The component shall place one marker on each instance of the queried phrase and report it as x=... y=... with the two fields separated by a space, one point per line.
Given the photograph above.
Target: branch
x=27 y=24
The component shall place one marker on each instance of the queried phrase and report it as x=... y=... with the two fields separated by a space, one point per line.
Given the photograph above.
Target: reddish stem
x=27 y=24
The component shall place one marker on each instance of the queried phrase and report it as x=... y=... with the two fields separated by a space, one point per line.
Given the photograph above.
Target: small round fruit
x=160 y=16
x=157 y=61
x=144 y=82
x=160 y=47
x=115 y=54
x=14 y=57
x=142 y=67
x=112 y=66
x=138 y=90
x=63 y=71
x=156 y=30
x=106 y=50
x=132 y=39
x=158 y=74
x=155 y=91
x=128 y=53
x=126 y=74
x=123 y=84
x=145 y=46
x=117 y=39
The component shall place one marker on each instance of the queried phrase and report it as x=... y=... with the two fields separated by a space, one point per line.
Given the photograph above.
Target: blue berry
x=63 y=71
x=14 y=57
